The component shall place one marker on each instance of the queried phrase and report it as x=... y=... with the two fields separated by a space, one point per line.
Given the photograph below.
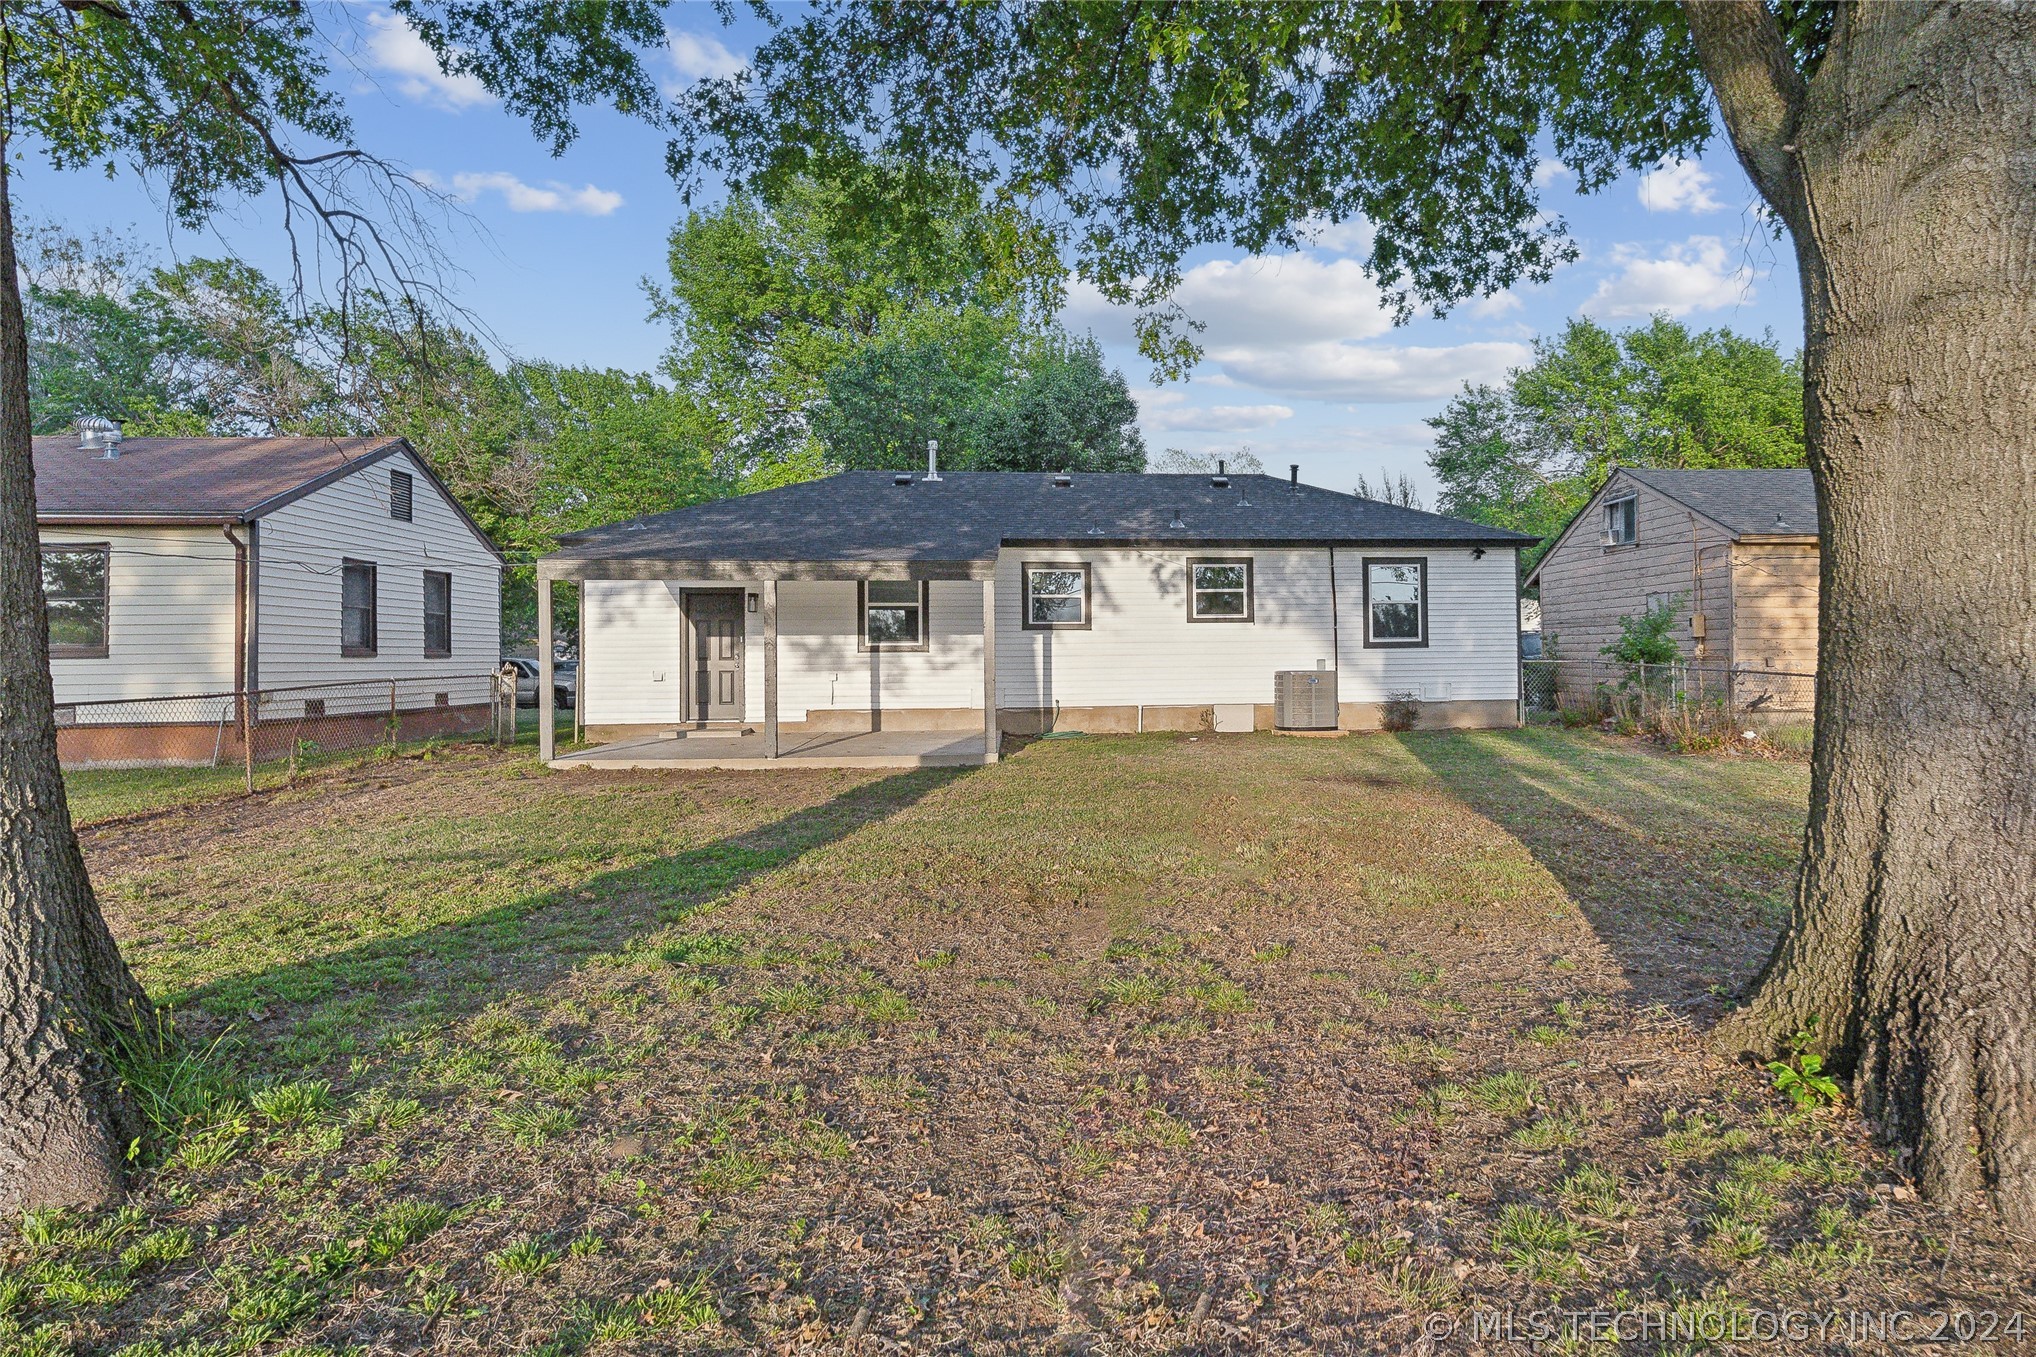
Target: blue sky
x=1303 y=363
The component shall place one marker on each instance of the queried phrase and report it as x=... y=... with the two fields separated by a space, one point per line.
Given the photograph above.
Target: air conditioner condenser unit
x=1304 y=699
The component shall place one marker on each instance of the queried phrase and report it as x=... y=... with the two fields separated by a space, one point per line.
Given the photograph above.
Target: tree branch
x=1759 y=91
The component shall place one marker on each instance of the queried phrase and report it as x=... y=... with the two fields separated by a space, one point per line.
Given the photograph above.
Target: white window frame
x=1031 y=568
x=1196 y=564
x=1625 y=512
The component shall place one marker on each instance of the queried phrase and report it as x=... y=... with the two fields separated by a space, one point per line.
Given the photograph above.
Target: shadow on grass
x=1683 y=877
x=460 y=966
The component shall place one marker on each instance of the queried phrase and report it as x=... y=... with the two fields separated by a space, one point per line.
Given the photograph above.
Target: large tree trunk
x=65 y=994
x=1912 y=951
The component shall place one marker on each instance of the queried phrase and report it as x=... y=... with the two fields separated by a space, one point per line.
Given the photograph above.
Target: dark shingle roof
x=968 y=515
x=1744 y=501
x=196 y=478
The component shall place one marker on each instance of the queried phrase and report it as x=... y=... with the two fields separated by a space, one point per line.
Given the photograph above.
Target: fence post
x=392 y=711
x=247 y=737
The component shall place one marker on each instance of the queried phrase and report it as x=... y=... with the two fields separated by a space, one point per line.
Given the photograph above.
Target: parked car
x=565 y=681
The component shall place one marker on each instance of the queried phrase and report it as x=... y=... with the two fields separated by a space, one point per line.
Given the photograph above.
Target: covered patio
x=764 y=741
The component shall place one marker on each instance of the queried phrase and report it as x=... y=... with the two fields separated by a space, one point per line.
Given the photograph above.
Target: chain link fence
x=1688 y=702
x=263 y=726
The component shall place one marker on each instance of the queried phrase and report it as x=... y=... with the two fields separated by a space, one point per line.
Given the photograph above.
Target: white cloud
x=1169 y=412
x=586 y=201
x=395 y=49
x=1548 y=171
x=1494 y=306
x=1684 y=186
x=1274 y=299
x=1368 y=373
x=1698 y=275
x=701 y=56
x=1343 y=237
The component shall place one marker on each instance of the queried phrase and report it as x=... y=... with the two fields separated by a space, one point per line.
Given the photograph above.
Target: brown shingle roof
x=195 y=478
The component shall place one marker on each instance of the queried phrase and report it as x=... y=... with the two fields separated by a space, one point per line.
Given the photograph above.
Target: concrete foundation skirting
x=1099 y=720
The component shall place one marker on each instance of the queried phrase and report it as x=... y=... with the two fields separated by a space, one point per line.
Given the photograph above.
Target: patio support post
x=770 y=621
x=547 y=737
x=990 y=669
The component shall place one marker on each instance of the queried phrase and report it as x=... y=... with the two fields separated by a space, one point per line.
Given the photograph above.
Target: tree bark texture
x=1905 y=169
x=65 y=993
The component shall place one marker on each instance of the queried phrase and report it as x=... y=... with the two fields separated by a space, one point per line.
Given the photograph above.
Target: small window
x=1621 y=526
x=1056 y=597
x=437 y=614
x=400 y=489
x=1219 y=590
x=1395 y=601
x=74 y=585
x=356 y=608
x=893 y=614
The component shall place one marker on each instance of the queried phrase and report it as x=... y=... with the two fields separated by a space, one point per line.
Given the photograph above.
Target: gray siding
x=169 y=622
x=1586 y=587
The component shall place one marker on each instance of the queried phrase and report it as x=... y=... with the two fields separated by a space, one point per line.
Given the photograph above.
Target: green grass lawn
x=1224 y=1044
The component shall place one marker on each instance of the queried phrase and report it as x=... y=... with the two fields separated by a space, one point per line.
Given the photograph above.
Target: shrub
x=1645 y=639
x=1400 y=711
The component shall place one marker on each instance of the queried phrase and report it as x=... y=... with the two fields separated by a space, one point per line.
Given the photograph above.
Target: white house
x=955 y=607
x=208 y=567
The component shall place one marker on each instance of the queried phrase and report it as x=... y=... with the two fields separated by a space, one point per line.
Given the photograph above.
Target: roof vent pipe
x=933 y=459
x=1294 y=474
x=1221 y=479
x=1177 y=523
x=100 y=435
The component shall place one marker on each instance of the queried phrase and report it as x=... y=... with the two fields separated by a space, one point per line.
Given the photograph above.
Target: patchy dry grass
x=1229 y=1044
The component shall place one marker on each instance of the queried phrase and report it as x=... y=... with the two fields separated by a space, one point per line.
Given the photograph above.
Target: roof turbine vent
x=98 y=434
x=1221 y=480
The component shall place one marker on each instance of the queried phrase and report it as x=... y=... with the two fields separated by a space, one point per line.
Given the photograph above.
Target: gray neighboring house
x=1738 y=551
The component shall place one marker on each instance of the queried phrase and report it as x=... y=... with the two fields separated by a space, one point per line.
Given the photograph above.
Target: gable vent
x=400 y=496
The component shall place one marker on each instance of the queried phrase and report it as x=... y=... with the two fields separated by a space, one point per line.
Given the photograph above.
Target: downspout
x=240 y=572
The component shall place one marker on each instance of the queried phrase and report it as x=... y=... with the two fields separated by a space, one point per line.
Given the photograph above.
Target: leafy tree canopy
x=1139 y=132
x=1528 y=453
x=844 y=311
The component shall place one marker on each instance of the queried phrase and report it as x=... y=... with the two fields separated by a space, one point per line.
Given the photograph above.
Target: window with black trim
x=74 y=585
x=401 y=487
x=893 y=614
x=1395 y=601
x=356 y=607
x=1622 y=524
x=437 y=614
x=1056 y=596
x=1219 y=589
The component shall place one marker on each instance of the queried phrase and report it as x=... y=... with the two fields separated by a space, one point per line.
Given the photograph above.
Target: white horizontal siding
x=821 y=667
x=1473 y=630
x=1140 y=648
x=301 y=547
x=169 y=625
x=1140 y=651
x=631 y=652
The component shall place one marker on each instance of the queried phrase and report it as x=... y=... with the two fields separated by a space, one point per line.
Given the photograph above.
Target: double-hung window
x=356 y=607
x=1621 y=523
x=1056 y=596
x=74 y=585
x=893 y=614
x=1219 y=590
x=437 y=614
x=1395 y=601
